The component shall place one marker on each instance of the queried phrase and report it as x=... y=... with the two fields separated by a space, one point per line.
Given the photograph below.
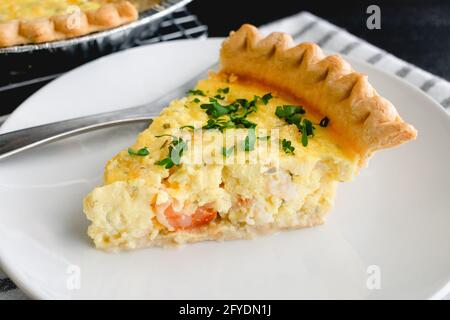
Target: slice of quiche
x=258 y=147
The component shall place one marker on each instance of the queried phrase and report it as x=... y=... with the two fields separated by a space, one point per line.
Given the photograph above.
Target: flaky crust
x=326 y=84
x=61 y=27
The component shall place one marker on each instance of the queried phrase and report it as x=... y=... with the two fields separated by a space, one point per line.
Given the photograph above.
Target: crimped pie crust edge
x=59 y=27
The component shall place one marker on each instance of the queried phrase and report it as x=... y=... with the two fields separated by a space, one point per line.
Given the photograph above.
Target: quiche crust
x=327 y=84
x=59 y=27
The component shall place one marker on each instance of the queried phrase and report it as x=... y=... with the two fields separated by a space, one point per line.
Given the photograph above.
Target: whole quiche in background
x=279 y=125
x=38 y=21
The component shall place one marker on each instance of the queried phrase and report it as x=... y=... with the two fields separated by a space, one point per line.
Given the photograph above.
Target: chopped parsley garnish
x=236 y=111
x=176 y=150
x=196 y=92
x=227 y=152
x=141 y=152
x=307 y=129
x=291 y=114
x=304 y=139
x=223 y=90
x=215 y=110
x=251 y=106
x=287 y=146
x=249 y=142
x=166 y=162
x=241 y=122
x=245 y=103
x=220 y=124
x=324 y=122
x=248 y=106
x=294 y=115
x=196 y=100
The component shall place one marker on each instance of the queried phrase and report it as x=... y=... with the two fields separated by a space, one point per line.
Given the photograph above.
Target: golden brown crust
x=61 y=27
x=327 y=84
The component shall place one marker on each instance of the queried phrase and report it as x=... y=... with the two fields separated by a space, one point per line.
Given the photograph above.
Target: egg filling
x=231 y=156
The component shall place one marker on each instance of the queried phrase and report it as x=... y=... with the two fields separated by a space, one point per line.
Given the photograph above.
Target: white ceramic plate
x=393 y=221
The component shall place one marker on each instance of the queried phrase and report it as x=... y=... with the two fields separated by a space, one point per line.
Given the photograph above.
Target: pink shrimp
x=172 y=219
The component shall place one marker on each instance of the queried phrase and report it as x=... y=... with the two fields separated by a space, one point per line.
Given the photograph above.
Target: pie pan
x=146 y=18
x=46 y=60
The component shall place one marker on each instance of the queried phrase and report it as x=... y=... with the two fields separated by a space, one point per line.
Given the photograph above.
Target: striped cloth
x=307 y=27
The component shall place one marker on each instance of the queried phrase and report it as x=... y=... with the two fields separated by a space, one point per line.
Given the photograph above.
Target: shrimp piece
x=171 y=219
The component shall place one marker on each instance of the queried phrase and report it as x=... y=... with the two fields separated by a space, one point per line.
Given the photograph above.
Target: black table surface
x=415 y=31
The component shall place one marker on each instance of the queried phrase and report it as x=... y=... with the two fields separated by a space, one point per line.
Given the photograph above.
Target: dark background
x=415 y=31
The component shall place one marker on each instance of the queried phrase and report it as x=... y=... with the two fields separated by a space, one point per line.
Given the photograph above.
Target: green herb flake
x=167 y=162
x=242 y=122
x=308 y=127
x=196 y=92
x=287 y=111
x=266 y=98
x=243 y=102
x=249 y=142
x=220 y=124
x=294 y=115
x=223 y=90
x=176 y=149
x=249 y=106
x=141 y=152
x=215 y=110
x=227 y=152
x=287 y=146
x=237 y=112
x=196 y=100
x=304 y=138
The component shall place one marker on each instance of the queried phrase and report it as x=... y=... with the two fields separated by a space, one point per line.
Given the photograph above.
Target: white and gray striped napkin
x=307 y=27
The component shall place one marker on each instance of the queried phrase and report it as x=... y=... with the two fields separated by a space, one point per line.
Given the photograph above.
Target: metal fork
x=21 y=140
